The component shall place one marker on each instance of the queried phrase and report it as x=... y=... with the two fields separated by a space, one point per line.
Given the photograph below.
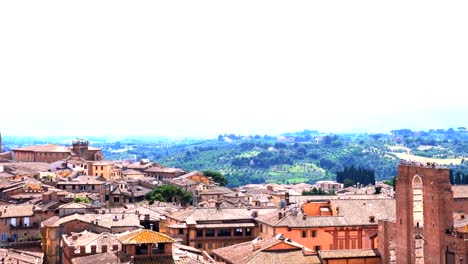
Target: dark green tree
x=348 y=182
x=216 y=176
x=168 y=193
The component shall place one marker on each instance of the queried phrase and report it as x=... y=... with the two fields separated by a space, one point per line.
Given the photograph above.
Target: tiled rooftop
x=260 y=251
x=44 y=148
x=144 y=236
x=460 y=191
x=104 y=220
x=11 y=256
x=348 y=253
x=9 y=211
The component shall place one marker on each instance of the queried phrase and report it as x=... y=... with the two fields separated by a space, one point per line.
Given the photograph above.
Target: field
x=424 y=159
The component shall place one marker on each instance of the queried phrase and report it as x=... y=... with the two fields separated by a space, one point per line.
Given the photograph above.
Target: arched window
x=418 y=209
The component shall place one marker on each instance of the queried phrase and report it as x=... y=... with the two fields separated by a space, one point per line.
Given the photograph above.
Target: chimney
x=372 y=219
x=304 y=217
x=280 y=215
x=103 y=248
x=93 y=249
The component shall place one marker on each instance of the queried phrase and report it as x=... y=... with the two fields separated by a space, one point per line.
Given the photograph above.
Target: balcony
x=24 y=226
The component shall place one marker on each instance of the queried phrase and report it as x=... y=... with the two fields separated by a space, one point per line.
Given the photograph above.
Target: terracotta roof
x=9 y=211
x=460 y=191
x=104 y=220
x=145 y=236
x=107 y=257
x=348 y=253
x=216 y=190
x=288 y=257
x=83 y=180
x=212 y=214
x=51 y=221
x=131 y=172
x=44 y=148
x=358 y=212
x=10 y=256
x=74 y=206
x=157 y=169
x=262 y=251
x=351 y=213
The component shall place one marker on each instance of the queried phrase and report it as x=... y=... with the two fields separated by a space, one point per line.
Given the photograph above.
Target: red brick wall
x=437 y=207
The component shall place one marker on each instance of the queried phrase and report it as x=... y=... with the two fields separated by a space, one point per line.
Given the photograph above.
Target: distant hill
x=305 y=156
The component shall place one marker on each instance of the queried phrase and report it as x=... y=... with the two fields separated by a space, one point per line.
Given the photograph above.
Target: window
x=353 y=244
x=304 y=233
x=199 y=232
x=209 y=233
x=238 y=232
x=224 y=232
x=13 y=222
x=317 y=248
x=157 y=248
x=82 y=187
x=199 y=245
x=314 y=233
x=15 y=237
x=248 y=231
x=341 y=244
x=93 y=187
x=116 y=200
x=142 y=250
x=210 y=245
x=181 y=231
x=26 y=221
x=73 y=187
x=4 y=237
x=107 y=197
x=102 y=167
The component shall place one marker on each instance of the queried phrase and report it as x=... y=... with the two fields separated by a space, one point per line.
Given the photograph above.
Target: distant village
x=68 y=204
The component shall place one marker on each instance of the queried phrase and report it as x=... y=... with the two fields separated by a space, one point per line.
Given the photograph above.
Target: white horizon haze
x=204 y=68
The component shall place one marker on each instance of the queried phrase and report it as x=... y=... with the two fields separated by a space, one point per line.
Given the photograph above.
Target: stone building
x=51 y=153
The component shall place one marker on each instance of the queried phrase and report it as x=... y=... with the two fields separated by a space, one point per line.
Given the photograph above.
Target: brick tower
x=424 y=213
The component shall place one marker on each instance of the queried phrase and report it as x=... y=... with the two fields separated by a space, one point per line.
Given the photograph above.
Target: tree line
x=351 y=175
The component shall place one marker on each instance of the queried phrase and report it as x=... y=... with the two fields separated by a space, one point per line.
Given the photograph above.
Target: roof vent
x=116 y=217
x=304 y=217
x=372 y=219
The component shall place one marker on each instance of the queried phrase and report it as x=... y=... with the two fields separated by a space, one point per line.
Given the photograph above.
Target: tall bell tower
x=424 y=213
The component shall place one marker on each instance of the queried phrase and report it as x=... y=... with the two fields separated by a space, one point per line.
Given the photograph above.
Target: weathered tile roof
x=85 y=179
x=107 y=257
x=351 y=213
x=157 y=169
x=216 y=190
x=195 y=215
x=145 y=236
x=44 y=148
x=9 y=211
x=289 y=257
x=460 y=191
x=260 y=251
x=11 y=256
x=348 y=253
x=358 y=212
x=104 y=220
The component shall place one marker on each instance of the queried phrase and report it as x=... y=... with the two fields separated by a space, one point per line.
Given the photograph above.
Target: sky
x=203 y=68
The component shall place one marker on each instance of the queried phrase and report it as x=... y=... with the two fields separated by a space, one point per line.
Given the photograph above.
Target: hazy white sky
x=203 y=68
